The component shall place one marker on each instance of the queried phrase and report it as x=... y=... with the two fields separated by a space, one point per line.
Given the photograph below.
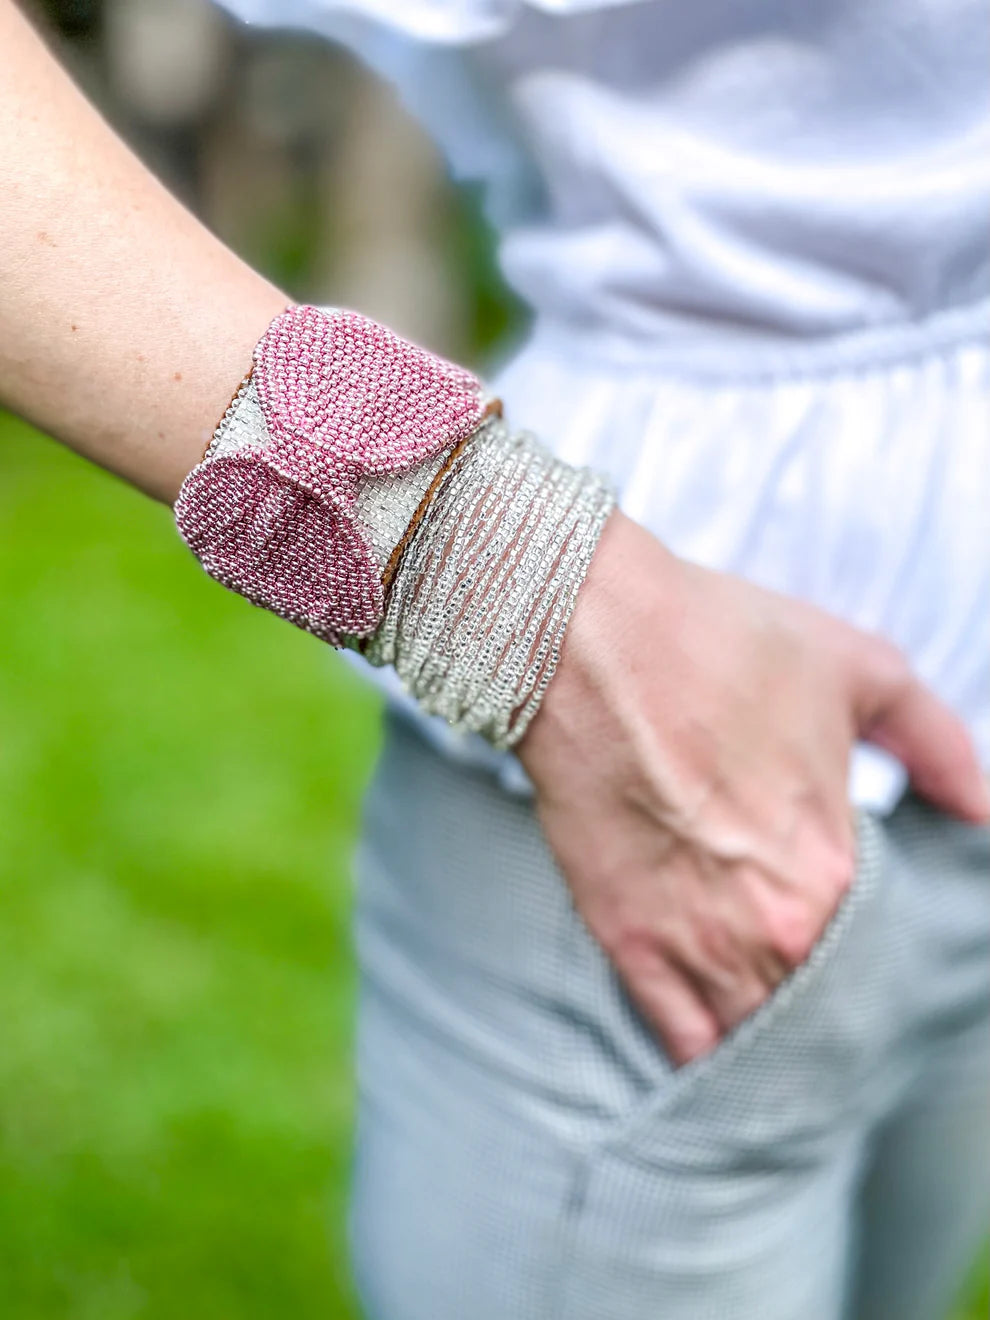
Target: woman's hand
x=690 y=762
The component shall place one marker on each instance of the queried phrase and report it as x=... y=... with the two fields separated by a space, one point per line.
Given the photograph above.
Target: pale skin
x=691 y=755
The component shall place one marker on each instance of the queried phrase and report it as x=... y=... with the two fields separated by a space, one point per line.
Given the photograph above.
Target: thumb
x=898 y=713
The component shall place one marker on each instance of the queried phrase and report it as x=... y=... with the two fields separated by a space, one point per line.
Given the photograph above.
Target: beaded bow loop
x=281 y=547
x=343 y=399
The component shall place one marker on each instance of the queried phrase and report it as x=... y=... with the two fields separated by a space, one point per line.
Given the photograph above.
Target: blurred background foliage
x=180 y=775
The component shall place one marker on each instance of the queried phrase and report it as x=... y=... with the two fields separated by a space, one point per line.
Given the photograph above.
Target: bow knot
x=343 y=399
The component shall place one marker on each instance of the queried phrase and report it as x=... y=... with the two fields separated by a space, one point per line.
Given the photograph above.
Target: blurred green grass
x=179 y=786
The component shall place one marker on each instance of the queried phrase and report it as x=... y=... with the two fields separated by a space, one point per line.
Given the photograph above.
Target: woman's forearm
x=125 y=325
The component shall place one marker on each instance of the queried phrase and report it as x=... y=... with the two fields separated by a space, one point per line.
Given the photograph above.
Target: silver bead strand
x=475 y=618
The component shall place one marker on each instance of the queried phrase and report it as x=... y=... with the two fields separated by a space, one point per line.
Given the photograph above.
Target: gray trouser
x=526 y=1152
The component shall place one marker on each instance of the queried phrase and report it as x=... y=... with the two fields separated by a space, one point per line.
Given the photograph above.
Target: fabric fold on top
x=449 y=21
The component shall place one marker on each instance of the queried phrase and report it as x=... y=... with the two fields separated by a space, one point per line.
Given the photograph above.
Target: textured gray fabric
x=526 y=1152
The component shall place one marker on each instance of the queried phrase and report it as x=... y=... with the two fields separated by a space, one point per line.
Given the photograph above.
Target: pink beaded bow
x=343 y=399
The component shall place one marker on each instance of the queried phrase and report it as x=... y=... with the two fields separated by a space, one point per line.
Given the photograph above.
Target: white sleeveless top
x=756 y=238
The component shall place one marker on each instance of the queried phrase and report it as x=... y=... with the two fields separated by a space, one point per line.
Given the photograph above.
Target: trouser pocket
x=702 y=1178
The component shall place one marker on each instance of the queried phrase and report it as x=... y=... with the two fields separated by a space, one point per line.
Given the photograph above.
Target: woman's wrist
x=632 y=582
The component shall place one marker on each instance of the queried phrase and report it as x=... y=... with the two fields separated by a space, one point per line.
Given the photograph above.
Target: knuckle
x=689 y=1042
x=957 y=750
x=792 y=934
x=716 y=942
x=631 y=946
x=841 y=871
x=745 y=1006
x=758 y=999
x=889 y=664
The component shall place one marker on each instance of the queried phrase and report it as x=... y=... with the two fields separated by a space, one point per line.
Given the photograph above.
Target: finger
x=732 y=993
x=727 y=952
x=770 y=967
x=733 y=1004
x=933 y=744
x=674 y=1008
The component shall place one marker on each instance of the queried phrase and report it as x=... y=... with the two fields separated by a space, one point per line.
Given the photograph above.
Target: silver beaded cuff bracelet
x=484 y=591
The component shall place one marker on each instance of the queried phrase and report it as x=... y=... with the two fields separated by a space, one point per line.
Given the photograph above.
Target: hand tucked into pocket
x=690 y=760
